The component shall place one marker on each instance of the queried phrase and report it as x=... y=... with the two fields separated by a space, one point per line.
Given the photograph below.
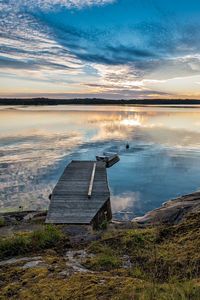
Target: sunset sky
x=117 y=49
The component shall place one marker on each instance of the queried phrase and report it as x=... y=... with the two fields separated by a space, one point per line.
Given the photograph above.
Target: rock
x=16 y=260
x=126 y=262
x=172 y=212
x=19 y=217
x=13 y=260
x=29 y=216
x=80 y=269
x=31 y=264
x=74 y=259
x=23 y=288
x=102 y=282
x=63 y=273
x=67 y=273
x=77 y=255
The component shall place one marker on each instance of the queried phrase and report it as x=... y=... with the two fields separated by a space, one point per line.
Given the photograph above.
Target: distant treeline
x=97 y=101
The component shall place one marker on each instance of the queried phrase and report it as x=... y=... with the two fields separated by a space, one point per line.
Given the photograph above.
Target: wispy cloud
x=53 y=4
x=39 y=43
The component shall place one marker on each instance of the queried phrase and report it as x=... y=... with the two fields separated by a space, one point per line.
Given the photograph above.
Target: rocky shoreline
x=172 y=212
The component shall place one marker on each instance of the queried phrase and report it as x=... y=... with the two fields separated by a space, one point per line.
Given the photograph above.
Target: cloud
x=131 y=51
x=37 y=44
x=110 y=55
x=173 y=67
x=170 y=37
x=29 y=64
x=117 y=94
x=110 y=86
x=52 y=4
x=28 y=46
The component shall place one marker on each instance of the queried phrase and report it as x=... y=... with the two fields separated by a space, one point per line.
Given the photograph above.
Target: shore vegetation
x=158 y=262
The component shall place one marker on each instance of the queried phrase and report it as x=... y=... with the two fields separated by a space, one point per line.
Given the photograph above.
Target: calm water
x=163 y=161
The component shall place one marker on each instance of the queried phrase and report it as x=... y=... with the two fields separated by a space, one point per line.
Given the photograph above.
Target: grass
x=159 y=254
x=46 y=238
x=165 y=265
x=22 y=243
x=105 y=259
x=37 y=283
x=3 y=222
x=14 y=246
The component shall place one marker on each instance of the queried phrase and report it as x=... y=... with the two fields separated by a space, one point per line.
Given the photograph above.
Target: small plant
x=137 y=272
x=105 y=259
x=104 y=225
x=3 y=222
x=134 y=238
x=46 y=238
x=96 y=247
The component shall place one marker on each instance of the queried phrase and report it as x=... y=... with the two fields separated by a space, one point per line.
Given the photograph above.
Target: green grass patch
x=20 y=244
x=14 y=246
x=96 y=247
x=46 y=238
x=161 y=254
x=3 y=222
x=105 y=258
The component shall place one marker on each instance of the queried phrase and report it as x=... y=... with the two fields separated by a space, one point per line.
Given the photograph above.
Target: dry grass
x=165 y=265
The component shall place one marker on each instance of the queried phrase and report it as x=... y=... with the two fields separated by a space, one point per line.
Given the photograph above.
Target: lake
x=163 y=161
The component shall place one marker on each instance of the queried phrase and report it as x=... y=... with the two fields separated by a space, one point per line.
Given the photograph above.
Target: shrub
x=96 y=247
x=105 y=259
x=14 y=246
x=23 y=243
x=134 y=238
x=3 y=222
x=46 y=238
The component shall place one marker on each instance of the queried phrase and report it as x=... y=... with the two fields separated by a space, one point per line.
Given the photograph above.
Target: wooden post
x=91 y=181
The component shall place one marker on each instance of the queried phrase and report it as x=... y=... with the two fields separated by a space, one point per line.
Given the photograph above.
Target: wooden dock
x=81 y=195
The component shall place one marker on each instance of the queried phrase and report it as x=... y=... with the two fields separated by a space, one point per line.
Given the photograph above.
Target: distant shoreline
x=96 y=101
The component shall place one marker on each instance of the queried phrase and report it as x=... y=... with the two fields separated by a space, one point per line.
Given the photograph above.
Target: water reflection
x=163 y=160
x=122 y=204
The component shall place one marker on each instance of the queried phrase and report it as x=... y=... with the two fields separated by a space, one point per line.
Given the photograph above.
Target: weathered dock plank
x=81 y=195
x=92 y=180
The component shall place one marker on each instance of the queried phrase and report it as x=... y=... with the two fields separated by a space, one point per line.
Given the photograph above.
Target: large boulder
x=171 y=211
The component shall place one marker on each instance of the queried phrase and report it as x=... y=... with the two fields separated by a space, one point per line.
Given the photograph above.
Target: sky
x=114 y=49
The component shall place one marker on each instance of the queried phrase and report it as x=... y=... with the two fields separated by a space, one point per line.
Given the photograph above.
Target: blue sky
x=100 y=48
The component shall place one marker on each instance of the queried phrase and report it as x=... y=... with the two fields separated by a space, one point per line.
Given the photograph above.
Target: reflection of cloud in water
x=131 y=122
x=164 y=144
x=123 y=204
x=28 y=166
x=156 y=134
x=114 y=130
x=172 y=137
